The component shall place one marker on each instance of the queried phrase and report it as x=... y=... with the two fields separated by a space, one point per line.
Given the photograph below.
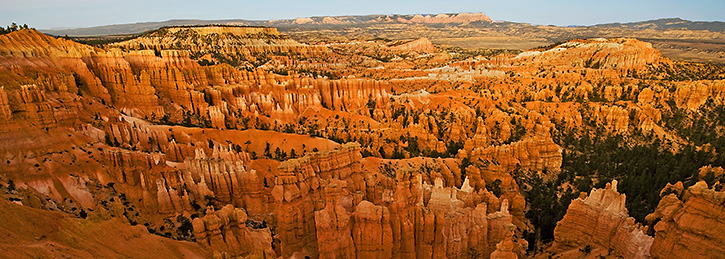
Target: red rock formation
x=421 y=45
x=618 y=54
x=170 y=200
x=692 y=95
x=509 y=248
x=371 y=231
x=614 y=118
x=333 y=225
x=601 y=220
x=299 y=183
x=30 y=105
x=224 y=176
x=534 y=154
x=225 y=231
x=691 y=226
x=443 y=224
x=126 y=131
x=445 y=18
x=230 y=42
x=135 y=80
x=126 y=89
x=30 y=57
x=444 y=227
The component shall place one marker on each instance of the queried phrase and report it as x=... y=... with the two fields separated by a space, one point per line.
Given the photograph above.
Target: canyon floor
x=351 y=141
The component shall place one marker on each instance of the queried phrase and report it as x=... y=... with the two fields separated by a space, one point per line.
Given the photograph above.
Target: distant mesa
x=455 y=18
x=118 y=29
x=236 y=30
x=418 y=18
x=304 y=20
x=459 y=18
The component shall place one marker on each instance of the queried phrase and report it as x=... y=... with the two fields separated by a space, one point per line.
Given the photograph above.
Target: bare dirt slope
x=56 y=235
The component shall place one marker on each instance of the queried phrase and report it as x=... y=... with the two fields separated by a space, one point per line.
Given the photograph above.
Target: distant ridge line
x=351 y=20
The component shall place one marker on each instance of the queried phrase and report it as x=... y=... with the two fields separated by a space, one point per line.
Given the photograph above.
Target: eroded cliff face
x=134 y=81
x=225 y=44
x=421 y=45
x=616 y=54
x=228 y=232
x=601 y=220
x=379 y=215
x=688 y=223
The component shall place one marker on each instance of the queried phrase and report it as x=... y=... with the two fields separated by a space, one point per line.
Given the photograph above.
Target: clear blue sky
x=45 y=14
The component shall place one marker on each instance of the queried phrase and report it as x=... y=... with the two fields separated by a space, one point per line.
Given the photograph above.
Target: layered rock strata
x=689 y=223
x=227 y=233
x=346 y=220
x=601 y=220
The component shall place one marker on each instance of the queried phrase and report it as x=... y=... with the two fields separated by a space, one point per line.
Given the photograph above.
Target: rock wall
x=30 y=104
x=689 y=223
x=151 y=84
x=299 y=195
x=227 y=234
x=686 y=223
x=534 y=154
x=421 y=45
x=222 y=43
x=601 y=220
x=127 y=90
x=333 y=225
x=617 y=54
x=371 y=231
x=410 y=219
x=510 y=248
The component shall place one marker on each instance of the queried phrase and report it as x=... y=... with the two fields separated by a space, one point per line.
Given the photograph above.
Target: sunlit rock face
x=689 y=223
x=600 y=219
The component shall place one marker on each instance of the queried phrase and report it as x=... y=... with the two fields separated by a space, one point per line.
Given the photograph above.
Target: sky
x=47 y=14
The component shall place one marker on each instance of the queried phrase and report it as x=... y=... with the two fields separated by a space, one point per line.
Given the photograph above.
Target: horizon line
x=362 y=15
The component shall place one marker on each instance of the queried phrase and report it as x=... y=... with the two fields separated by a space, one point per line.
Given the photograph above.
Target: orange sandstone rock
x=691 y=226
x=421 y=45
x=602 y=220
x=225 y=232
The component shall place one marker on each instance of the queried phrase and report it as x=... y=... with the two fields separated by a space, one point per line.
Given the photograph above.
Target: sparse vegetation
x=12 y=28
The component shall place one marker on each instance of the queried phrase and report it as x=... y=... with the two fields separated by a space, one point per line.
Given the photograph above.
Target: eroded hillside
x=253 y=144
